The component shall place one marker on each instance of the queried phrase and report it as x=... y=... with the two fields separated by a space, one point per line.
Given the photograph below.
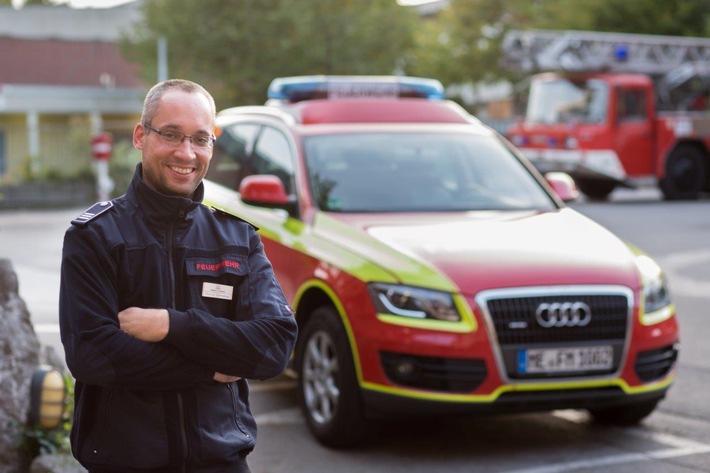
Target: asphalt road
x=674 y=439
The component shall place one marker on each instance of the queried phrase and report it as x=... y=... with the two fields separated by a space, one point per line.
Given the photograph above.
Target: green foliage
x=122 y=166
x=676 y=18
x=236 y=47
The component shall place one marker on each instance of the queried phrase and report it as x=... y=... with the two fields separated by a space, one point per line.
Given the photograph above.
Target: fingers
x=224 y=378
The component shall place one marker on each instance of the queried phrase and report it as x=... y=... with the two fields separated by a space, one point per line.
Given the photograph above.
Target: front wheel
x=596 y=189
x=328 y=390
x=625 y=415
x=685 y=174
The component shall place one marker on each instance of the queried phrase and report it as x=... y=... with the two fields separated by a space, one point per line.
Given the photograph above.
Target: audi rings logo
x=563 y=314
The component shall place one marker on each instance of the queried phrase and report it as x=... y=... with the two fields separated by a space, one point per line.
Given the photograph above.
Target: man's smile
x=181 y=170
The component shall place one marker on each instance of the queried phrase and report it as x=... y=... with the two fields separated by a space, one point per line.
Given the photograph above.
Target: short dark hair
x=152 y=98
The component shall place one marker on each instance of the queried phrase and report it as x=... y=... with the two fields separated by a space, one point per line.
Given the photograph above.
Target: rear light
x=297 y=89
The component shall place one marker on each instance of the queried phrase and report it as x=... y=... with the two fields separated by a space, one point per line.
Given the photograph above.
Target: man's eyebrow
x=178 y=128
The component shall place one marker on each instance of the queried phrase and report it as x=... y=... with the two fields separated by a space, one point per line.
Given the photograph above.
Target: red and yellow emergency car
x=432 y=268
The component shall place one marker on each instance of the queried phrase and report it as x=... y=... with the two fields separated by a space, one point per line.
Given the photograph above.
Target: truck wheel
x=685 y=174
x=625 y=415
x=328 y=391
x=596 y=189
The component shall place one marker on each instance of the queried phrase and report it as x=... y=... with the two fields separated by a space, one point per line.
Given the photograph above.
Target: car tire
x=328 y=391
x=625 y=415
x=685 y=174
x=596 y=189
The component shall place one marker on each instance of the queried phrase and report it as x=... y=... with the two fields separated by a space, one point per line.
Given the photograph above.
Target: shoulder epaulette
x=92 y=212
x=219 y=211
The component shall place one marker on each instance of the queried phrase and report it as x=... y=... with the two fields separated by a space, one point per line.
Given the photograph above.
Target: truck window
x=564 y=100
x=630 y=104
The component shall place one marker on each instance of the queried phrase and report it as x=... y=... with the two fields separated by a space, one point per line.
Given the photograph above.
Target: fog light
x=47 y=395
x=406 y=370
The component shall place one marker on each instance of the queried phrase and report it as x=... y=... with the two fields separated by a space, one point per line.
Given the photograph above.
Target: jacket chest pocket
x=216 y=283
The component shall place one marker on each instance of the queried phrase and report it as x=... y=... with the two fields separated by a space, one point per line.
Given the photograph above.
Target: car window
x=230 y=163
x=272 y=155
x=401 y=172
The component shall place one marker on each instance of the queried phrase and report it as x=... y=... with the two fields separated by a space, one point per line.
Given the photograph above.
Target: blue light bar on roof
x=297 y=89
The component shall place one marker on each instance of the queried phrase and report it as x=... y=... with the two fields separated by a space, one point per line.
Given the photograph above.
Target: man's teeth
x=181 y=170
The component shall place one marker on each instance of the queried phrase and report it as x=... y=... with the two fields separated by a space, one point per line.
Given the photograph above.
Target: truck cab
x=615 y=109
x=597 y=127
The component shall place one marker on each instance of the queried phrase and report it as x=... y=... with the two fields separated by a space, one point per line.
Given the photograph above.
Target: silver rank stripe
x=92 y=212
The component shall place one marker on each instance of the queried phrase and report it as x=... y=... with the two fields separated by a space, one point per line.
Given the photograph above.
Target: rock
x=56 y=464
x=19 y=357
x=49 y=356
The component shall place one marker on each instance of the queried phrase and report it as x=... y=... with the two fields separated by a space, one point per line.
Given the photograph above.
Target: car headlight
x=655 y=288
x=414 y=302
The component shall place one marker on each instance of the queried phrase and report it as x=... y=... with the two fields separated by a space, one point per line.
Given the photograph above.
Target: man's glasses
x=176 y=138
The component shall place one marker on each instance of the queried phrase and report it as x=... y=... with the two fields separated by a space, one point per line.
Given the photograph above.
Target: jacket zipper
x=173 y=304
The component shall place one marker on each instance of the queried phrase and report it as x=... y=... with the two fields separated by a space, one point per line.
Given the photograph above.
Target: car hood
x=484 y=250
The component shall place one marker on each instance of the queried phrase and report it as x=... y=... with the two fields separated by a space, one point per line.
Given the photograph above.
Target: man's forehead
x=179 y=108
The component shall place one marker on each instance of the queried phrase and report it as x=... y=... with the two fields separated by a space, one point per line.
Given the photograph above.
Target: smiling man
x=177 y=155
x=167 y=308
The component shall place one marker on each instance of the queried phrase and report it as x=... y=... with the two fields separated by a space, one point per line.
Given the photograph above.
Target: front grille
x=655 y=364
x=512 y=317
x=434 y=373
x=609 y=320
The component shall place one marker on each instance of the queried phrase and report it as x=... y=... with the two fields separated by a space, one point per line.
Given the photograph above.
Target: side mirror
x=266 y=190
x=563 y=185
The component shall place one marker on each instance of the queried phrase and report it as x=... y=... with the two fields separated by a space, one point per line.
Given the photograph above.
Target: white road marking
x=679 y=447
x=46 y=328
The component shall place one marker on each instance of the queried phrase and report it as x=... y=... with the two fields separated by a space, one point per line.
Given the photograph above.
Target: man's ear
x=138 y=135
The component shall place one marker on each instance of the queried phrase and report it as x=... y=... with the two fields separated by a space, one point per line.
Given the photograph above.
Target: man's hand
x=223 y=378
x=149 y=325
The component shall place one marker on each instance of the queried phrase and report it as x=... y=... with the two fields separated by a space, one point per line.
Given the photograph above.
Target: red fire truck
x=615 y=109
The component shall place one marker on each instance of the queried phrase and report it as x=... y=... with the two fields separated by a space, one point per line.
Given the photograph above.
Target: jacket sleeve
x=97 y=351
x=260 y=345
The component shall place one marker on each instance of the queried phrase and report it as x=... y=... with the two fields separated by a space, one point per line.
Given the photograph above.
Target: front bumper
x=386 y=405
x=413 y=370
x=591 y=164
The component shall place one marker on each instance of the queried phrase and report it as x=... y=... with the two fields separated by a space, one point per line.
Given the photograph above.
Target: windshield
x=563 y=100
x=414 y=172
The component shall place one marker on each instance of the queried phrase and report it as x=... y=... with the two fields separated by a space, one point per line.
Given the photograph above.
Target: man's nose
x=186 y=147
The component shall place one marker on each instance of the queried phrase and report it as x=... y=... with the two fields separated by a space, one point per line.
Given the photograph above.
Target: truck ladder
x=585 y=51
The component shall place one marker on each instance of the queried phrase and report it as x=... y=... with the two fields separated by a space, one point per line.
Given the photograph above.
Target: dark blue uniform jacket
x=155 y=405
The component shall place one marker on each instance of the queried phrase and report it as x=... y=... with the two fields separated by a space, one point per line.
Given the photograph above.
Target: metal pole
x=162 y=59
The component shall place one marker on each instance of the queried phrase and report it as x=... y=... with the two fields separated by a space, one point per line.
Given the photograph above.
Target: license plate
x=555 y=360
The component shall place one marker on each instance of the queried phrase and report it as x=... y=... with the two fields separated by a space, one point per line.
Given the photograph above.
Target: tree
x=676 y=18
x=236 y=48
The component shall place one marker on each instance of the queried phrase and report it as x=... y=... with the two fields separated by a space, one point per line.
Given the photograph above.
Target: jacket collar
x=158 y=206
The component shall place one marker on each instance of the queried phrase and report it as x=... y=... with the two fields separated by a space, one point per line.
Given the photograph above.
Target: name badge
x=217 y=291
